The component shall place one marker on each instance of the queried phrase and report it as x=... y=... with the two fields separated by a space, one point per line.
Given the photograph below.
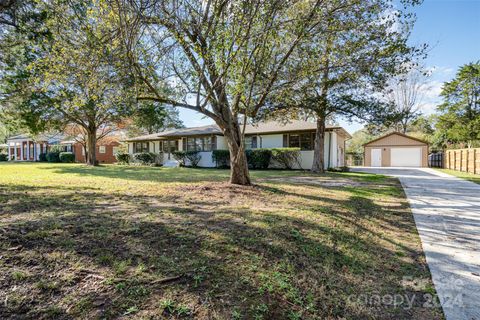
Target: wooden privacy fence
x=467 y=160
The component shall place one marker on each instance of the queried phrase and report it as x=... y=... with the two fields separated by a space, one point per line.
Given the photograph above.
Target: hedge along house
x=295 y=134
x=396 y=150
x=24 y=147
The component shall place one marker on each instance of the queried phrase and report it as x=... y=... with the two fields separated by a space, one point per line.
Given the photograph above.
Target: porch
x=25 y=150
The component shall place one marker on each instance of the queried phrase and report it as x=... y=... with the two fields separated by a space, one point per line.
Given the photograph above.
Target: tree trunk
x=318 y=165
x=92 y=145
x=238 y=160
x=85 y=152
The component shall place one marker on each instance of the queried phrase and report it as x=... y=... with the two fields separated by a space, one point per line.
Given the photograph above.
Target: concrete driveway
x=447 y=214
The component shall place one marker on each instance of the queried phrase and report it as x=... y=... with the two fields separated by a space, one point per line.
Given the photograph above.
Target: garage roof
x=396 y=133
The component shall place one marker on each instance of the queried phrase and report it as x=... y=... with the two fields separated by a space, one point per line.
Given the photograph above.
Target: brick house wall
x=107 y=157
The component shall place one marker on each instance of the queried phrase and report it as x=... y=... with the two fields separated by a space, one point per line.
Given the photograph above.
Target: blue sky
x=450 y=27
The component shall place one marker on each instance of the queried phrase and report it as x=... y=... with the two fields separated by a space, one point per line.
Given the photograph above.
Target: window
x=170 y=146
x=115 y=150
x=102 y=149
x=199 y=144
x=207 y=144
x=140 y=147
x=190 y=144
x=304 y=141
x=32 y=151
x=251 y=142
x=294 y=141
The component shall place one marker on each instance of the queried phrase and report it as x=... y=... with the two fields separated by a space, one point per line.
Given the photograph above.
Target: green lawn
x=464 y=175
x=152 y=243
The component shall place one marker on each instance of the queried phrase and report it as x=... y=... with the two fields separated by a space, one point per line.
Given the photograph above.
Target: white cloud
x=429 y=108
x=431 y=96
x=442 y=70
x=433 y=87
x=432 y=90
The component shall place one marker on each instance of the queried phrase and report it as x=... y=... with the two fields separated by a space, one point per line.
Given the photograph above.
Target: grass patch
x=137 y=242
x=464 y=175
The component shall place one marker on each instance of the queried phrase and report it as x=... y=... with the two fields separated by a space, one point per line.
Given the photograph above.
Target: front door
x=376 y=157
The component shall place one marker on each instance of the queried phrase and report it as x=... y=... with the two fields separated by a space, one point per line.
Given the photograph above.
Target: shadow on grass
x=182 y=174
x=361 y=208
x=91 y=255
x=142 y=173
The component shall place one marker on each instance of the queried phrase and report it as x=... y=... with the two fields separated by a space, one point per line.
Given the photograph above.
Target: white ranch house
x=295 y=134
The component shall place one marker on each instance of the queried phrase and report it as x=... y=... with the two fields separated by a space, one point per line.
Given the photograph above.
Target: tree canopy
x=71 y=75
x=459 y=114
x=93 y=63
x=225 y=57
x=151 y=117
x=345 y=67
x=406 y=92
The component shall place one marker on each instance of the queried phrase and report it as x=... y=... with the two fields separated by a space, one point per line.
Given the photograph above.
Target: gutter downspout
x=329 y=148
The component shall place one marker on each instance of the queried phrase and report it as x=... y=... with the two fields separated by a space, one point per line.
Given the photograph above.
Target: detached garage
x=396 y=150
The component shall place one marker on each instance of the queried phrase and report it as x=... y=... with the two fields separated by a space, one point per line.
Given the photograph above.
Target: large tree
x=345 y=67
x=459 y=118
x=73 y=75
x=406 y=92
x=224 y=57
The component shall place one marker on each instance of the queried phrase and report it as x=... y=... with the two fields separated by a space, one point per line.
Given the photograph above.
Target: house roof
x=19 y=137
x=40 y=137
x=259 y=128
x=395 y=133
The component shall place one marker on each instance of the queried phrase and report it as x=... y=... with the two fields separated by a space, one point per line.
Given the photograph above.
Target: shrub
x=56 y=148
x=53 y=156
x=288 y=158
x=180 y=156
x=194 y=157
x=3 y=157
x=145 y=157
x=221 y=158
x=258 y=158
x=66 y=157
x=42 y=157
x=122 y=157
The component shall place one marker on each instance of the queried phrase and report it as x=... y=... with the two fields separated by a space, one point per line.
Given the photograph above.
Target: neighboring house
x=24 y=147
x=295 y=134
x=106 y=149
x=396 y=150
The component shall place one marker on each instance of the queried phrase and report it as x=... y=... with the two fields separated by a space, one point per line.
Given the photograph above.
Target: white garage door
x=406 y=157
